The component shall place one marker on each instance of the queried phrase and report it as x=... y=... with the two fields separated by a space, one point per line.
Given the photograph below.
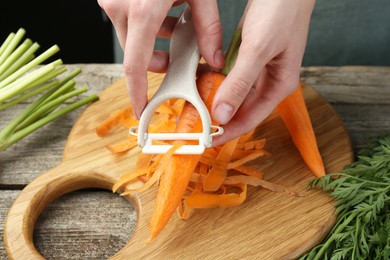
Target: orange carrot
x=123 y=147
x=208 y=200
x=295 y=116
x=250 y=157
x=114 y=120
x=249 y=171
x=174 y=181
x=216 y=175
x=257 y=144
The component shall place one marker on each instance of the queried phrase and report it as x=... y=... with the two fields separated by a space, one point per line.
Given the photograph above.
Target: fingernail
x=219 y=59
x=223 y=113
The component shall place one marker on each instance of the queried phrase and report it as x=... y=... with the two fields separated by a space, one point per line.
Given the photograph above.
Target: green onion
x=38 y=124
x=29 y=94
x=6 y=42
x=12 y=45
x=24 y=59
x=22 y=76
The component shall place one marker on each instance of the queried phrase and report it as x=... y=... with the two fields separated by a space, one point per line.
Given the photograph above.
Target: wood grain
x=86 y=224
x=268 y=224
x=358 y=94
x=364 y=118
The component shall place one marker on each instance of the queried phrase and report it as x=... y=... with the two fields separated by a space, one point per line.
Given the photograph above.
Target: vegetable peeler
x=179 y=82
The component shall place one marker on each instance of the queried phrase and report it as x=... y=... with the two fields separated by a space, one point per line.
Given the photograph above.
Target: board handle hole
x=83 y=224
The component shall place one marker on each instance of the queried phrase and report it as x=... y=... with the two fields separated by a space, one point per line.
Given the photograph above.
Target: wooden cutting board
x=267 y=226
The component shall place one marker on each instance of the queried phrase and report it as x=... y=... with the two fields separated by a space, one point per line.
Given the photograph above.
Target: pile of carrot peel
x=217 y=178
x=220 y=169
x=220 y=178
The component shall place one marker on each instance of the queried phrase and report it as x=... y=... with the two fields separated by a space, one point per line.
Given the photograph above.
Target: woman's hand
x=267 y=68
x=139 y=22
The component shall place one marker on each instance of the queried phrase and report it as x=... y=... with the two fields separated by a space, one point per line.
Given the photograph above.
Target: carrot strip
x=157 y=174
x=207 y=200
x=210 y=152
x=295 y=116
x=113 y=121
x=164 y=108
x=143 y=160
x=238 y=154
x=249 y=171
x=129 y=122
x=123 y=147
x=253 y=181
x=257 y=144
x=213 y=162
x=128 y=177
x=216 y=175
x=254 y=155
x=178 y=106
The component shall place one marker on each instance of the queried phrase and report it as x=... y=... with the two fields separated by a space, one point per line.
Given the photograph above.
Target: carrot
x=174 y=181
x=257 y=144
x=216 y=175
x=295 y=116
x=114 y=120
x=207 y=200
x=249 y=171
x=250 y=157
x=123 y=147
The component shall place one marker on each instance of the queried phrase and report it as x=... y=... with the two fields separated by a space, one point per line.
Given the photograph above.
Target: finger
x=159 y=62
x=143 y=25
x=118 y=16
x=121 y=33
x=208 y=31
x=258 y=105
x=237 y=84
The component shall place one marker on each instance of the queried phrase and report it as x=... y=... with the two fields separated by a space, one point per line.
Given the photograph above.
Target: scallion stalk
x=12 y=45
x=21 y=78
x=49 y=106
x=6 y=42
x=38 y=124
x=32 y=93
x=23 y=60
x=38 y=60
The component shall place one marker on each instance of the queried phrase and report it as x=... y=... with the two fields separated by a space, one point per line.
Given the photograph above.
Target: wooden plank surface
x=359 y=94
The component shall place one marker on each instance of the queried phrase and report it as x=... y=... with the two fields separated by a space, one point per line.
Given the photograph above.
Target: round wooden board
x=267 y=225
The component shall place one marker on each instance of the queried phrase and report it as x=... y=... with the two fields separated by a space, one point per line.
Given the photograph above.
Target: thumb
x=235 y=88
x=208 y=31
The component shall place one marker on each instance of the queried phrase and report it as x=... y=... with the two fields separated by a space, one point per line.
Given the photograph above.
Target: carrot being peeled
x=174 y=181
x=295 y=116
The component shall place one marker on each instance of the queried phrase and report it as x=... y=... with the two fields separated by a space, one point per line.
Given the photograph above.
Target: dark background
x=76 y=26
x=347 y=32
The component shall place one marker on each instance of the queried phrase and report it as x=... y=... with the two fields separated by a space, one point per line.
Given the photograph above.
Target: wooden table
x=94 y=224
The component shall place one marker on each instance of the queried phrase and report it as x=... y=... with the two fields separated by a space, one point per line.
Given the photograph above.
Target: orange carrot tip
x=113 y=121
x=295 y=116
x=128 y=177
x=157 y=174
x=123 y=147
